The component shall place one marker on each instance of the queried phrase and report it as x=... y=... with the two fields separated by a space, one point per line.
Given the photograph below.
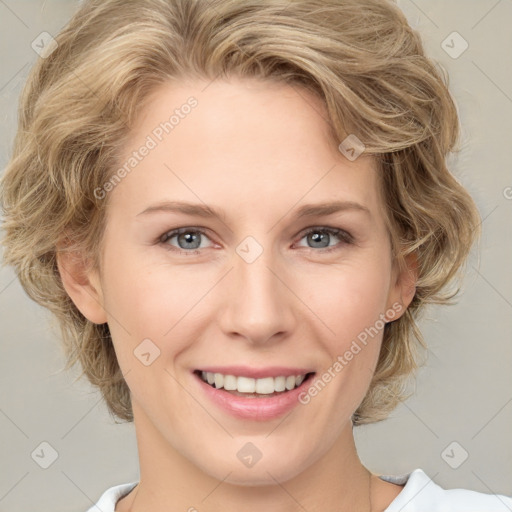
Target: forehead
x=241 y=112
x=239 y=142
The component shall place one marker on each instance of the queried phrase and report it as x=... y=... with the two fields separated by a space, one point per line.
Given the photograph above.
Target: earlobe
x=409 y=278
x=405 y=285
x=83 y=286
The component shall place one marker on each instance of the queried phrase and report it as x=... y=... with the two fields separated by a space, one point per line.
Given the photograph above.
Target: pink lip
x=256 y=409
x=257 y=373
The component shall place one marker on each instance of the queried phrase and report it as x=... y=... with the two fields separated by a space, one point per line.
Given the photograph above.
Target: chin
x=262 y=473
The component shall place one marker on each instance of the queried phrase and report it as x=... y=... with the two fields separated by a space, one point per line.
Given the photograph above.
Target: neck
x=337 y=480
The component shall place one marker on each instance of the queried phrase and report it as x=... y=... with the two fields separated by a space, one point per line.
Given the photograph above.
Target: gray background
x=462 y=394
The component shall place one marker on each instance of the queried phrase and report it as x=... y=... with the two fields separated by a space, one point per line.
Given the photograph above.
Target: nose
x=258 y=304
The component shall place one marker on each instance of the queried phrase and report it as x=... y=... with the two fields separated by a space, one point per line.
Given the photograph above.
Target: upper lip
x=256 y=373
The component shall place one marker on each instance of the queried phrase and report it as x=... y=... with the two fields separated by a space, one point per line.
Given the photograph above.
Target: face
x=266 y=284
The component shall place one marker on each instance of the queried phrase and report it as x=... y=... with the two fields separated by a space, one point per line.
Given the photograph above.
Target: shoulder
x=108 y=500
x=422 y=493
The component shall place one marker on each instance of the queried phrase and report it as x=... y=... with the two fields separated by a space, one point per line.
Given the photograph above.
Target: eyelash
x=346 y=239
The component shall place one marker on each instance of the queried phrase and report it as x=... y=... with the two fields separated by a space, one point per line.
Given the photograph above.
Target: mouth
x=248 y=387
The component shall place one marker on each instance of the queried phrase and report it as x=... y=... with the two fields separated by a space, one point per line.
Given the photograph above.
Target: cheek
x=148 y=315
x=151 y=300
x=144 y=304
x=347 y=298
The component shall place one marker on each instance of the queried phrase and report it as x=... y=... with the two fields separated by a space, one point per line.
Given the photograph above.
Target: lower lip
x=256 y=409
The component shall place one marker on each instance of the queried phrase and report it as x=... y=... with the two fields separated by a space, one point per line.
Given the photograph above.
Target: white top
x=420 y=494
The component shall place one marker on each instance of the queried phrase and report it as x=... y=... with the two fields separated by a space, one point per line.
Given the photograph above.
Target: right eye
x=188 y=240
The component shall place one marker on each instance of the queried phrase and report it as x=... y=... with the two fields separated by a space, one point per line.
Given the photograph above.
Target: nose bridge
x=257 y=303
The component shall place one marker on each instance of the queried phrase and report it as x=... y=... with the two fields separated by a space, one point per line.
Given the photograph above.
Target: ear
x=403 y=288
x=82 y=285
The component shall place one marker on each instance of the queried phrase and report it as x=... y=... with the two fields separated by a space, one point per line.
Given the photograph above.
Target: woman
x=237 y=210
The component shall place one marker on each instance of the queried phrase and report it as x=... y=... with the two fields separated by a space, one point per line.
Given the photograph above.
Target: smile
x=247 y=386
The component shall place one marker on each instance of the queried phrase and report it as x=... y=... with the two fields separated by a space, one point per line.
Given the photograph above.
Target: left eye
x=189 y=240
x=323 y=235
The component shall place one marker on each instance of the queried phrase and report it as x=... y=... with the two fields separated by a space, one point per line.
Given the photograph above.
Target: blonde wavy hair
x=361 y=57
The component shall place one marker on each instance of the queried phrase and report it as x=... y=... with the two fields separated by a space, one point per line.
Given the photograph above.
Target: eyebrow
x=203 y=210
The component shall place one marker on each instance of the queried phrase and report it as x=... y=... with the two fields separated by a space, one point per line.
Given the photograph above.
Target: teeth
x=244 y=384
x=219 y=380
x=230 y=383
x=290 y=382
x=265 y=386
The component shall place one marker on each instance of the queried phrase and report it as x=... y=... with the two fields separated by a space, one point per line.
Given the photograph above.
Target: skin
x=258 y=151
